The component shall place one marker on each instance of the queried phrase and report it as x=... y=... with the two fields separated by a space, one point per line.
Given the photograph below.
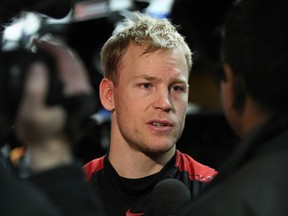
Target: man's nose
x=162 y=100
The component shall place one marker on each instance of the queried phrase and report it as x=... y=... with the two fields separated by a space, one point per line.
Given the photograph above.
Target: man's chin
x=159 y=152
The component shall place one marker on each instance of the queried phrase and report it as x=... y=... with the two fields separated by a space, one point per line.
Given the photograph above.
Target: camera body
x=13 y=71
x=17 y=53
x=15 y=62
x=17 y=56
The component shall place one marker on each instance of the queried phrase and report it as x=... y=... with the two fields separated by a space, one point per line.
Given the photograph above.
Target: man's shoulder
x=195 y=169
x=93 y=166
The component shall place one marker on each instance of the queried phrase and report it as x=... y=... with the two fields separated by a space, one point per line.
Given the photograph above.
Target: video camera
x=17 y=56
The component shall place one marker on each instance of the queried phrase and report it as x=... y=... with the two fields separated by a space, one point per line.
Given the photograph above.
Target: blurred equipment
x=31 y=20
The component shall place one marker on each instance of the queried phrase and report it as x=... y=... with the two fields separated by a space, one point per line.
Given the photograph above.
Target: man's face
x=151 y=99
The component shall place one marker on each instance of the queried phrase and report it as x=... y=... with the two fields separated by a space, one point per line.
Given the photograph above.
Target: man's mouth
x=161 y=123
x=157 y=124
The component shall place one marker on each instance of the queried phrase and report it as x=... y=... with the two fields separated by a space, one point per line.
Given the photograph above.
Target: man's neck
x=134 y=164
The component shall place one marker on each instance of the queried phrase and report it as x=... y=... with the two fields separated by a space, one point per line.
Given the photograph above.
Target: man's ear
x=106 y=93
x=228 y=72
x=234 y=88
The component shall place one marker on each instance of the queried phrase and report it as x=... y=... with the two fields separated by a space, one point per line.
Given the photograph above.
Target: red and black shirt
x=122 y=196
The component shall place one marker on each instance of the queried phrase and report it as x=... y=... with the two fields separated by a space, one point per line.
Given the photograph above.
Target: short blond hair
x=141 y=30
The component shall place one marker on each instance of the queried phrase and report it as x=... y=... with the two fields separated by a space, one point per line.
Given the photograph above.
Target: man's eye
x=178 y=88
x=146 y=85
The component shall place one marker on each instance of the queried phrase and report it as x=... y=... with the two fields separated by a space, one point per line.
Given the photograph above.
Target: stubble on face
x=135 y=105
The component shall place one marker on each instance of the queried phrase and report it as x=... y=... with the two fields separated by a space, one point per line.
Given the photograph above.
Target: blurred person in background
x=254 y=98
x=57 y=185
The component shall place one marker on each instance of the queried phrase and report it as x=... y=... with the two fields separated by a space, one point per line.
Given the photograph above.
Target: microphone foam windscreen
x=168 y=195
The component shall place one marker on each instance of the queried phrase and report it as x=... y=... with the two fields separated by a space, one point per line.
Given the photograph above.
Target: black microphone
x=168 y=196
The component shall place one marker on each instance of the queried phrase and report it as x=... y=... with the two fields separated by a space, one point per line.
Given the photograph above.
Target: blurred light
x=27 y=25
x=20 y=30
x=117 y=5
x=92 y=9
x=160 y=8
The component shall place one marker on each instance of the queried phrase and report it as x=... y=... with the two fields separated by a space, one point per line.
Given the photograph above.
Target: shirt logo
x=129 y=213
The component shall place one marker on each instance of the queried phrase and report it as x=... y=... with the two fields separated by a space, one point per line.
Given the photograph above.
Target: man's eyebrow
x=180 y=80
x=146 y=77
x=155 y=79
